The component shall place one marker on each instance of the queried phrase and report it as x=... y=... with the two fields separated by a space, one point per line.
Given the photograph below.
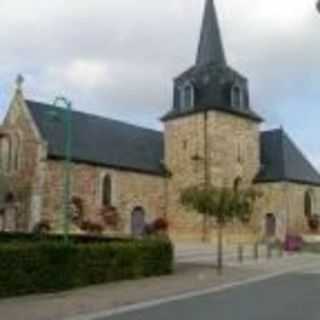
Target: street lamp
x=67 y=117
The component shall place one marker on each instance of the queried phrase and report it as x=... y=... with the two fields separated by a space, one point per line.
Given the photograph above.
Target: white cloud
x=82 y=74
x=119 y=56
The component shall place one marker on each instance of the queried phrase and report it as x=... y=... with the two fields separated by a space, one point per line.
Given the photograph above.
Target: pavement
x=206 y=254
x=293 y=296
x=194 y=275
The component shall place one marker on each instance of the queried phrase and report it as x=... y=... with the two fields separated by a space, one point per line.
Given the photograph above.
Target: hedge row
x=7 y=237
x=54 y=266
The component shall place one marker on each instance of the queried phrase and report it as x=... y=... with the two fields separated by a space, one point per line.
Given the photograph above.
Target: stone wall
x=184 y=154
x=232 y=151
x=130 y=190
x=27 y=150
x=38 y=182
x=286 y=201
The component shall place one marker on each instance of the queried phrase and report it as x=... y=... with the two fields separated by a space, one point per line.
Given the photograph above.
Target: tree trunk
x=220 y=248
x=204 y=228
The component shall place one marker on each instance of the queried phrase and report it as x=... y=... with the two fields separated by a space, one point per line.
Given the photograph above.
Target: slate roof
x=282 y=160
x=100 y=141
x=211 y=78
x=243 y=113
x=110 y=143
x=210 y=47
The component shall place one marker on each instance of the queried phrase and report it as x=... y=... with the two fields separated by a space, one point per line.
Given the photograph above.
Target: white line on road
x=193 y=294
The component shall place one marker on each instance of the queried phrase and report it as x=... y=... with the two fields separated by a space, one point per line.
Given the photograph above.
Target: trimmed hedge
x=6 y=237
x=43 y=267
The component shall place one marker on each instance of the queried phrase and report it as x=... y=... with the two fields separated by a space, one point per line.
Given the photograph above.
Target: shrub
x=8 y=237
x=42 y=227
x=161 y=224
x=110 y=216
x=158 y=226
x=92 y=227
x=48 y=266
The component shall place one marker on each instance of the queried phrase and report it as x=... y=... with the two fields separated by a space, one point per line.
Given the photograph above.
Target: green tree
x=222 y=204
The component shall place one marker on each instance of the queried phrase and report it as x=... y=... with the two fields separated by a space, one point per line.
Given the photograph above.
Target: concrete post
x=256 y=251
x=240 y=253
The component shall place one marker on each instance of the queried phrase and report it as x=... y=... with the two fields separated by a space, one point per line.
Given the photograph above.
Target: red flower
x=160 y=224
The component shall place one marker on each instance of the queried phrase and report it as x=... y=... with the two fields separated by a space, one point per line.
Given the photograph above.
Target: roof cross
x=19 y=81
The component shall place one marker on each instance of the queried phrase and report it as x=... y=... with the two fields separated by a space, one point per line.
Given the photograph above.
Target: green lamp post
x=67 y=118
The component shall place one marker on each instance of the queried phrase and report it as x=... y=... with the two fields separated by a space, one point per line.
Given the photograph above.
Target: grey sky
x=118 y=57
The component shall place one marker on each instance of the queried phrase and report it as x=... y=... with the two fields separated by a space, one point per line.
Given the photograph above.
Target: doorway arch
x=10 y=213
x=270 y=225
x=138 y=223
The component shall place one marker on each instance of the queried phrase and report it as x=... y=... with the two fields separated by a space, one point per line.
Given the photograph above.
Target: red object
x=91 y=227
x=110 y=216
x=293 y=243
x=160 y=224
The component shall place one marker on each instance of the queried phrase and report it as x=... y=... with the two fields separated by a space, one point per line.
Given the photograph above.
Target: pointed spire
x=210 y=46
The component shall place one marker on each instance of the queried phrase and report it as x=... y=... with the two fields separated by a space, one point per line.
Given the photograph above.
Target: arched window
x=107 y=191
x=16 y=156
x=271 y=225
x=308 y=210
x=236 y=96
x=11 y=212
x=5 y=153
x=186 y=96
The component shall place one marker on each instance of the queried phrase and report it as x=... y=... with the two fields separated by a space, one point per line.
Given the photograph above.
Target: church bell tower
x=211 y=132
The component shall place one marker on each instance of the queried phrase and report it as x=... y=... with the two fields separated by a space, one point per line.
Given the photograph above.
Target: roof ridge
x=87 y=114
x=270 y=131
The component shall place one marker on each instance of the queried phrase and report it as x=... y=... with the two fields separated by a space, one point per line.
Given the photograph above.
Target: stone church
x=123 y=175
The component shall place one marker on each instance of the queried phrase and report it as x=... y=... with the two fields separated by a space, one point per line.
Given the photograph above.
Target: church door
x=138 y=222
x=271 y=225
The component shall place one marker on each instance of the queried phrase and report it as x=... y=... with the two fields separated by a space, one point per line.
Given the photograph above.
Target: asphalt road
x=294 y=296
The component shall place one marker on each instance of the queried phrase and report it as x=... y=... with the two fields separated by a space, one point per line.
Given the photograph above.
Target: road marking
x=193 y=294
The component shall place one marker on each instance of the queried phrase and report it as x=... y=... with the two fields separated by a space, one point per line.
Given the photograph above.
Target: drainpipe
x=286 y=191
x=206 y=170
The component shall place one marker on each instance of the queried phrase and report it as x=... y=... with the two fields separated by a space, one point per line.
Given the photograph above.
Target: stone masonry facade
x=230 y=143
x=26 y=153
x=38 y=181
x=232 y=152
x=130 y=190
x=211 y=136
x=286 y=201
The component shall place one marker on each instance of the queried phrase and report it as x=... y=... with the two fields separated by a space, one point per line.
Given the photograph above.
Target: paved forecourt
x=292 y=296
x=190 y=280
x=207 y=254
